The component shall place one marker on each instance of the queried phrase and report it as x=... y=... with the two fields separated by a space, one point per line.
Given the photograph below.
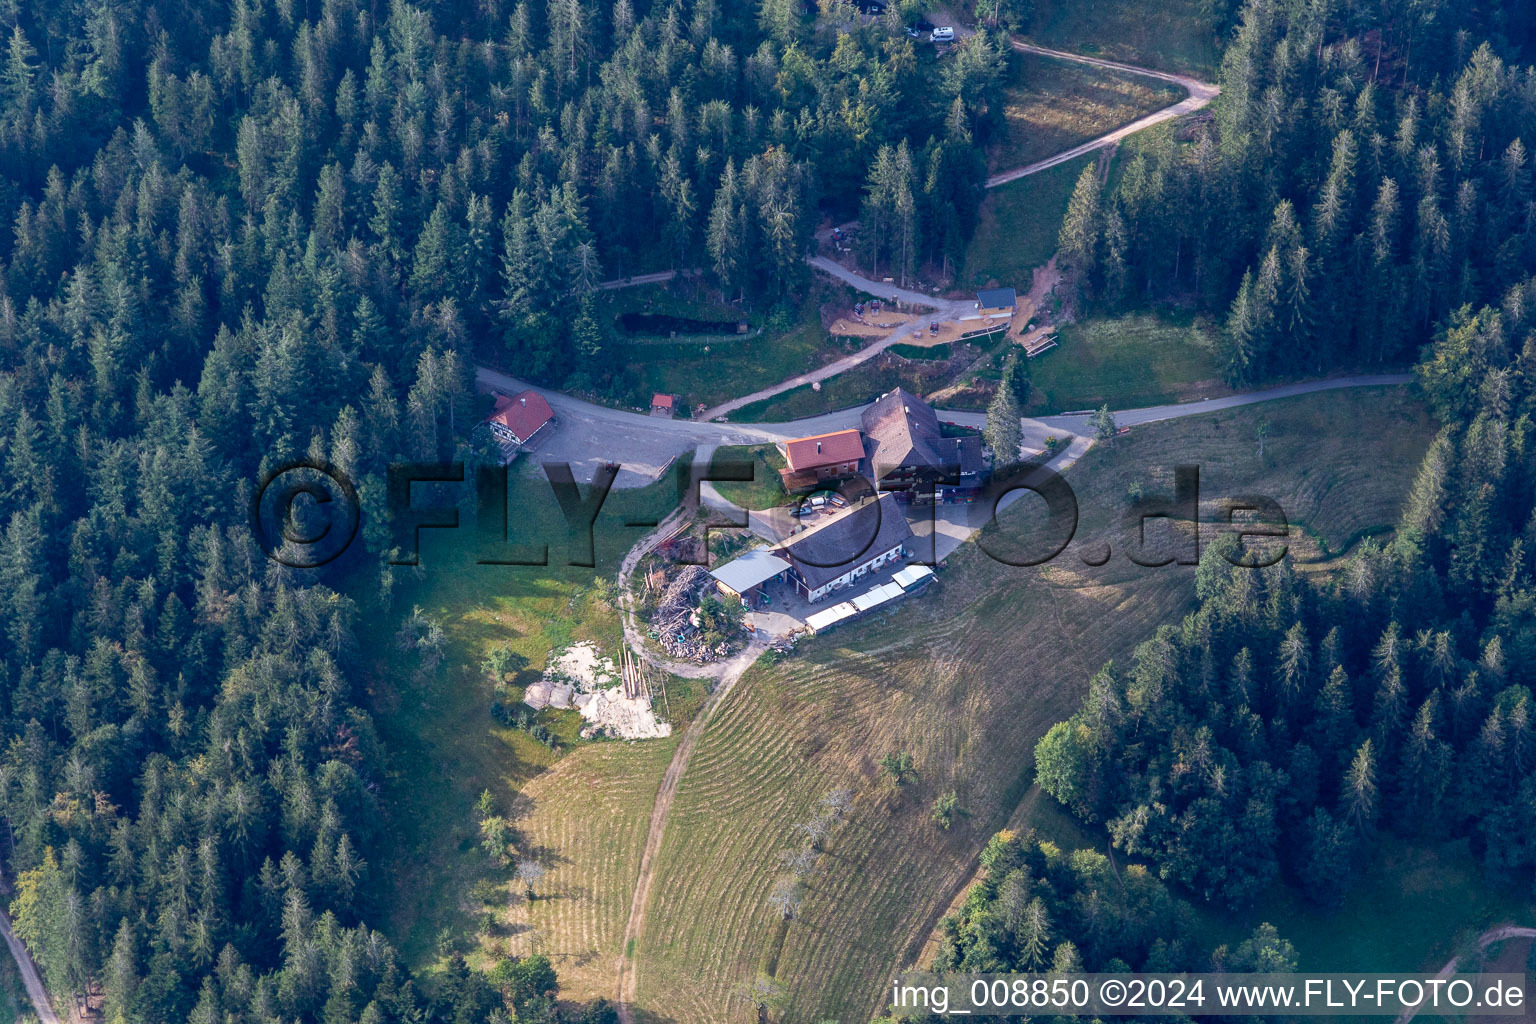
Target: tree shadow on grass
x=644 y=1016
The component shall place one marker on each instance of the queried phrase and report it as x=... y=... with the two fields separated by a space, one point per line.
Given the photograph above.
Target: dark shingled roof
x=903 y=431
x=964 y=453
x=997 y=298
x=823 y=553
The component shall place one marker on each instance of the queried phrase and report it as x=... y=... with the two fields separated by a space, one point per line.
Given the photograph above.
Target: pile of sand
x=581 y=677
x=630 y=718
x=581 y=666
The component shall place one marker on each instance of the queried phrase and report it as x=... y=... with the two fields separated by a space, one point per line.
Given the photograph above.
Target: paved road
x=879 y=289
x=949 y=311
x=35 y=990
x=1200 y=95
x=588 y=435
x=1152 y=414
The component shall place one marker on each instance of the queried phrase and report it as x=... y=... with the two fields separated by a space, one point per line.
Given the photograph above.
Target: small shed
x=997 y=298
x=742 y=577
x=664 y=406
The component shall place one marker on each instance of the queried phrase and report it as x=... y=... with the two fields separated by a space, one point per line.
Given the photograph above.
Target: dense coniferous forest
x=1288 y=725
x=1038 y=908
x=248 y=231
x=1364 y=172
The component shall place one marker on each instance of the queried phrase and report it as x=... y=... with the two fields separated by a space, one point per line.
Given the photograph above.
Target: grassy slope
x=710 y=370
x=1052 y=105
x=863 y=383
x=1171 y=35
x=588 y=816
x=1129 y=362
x=1018 y=227
x=1410 y=911
x=766 y=488
x=445 y=748
x=966 y=679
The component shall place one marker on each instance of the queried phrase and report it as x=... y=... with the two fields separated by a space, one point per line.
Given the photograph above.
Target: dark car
x=921 y=25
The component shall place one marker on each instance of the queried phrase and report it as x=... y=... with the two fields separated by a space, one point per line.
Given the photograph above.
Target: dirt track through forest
x=1200 y=95
x=35 y=990
x=1488 y=938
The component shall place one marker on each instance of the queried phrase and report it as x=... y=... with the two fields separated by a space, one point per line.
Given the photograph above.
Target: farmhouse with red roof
x=810 y=460
x=520 y=418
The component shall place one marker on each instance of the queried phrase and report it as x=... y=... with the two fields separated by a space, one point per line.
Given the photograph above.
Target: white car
x=944 y=34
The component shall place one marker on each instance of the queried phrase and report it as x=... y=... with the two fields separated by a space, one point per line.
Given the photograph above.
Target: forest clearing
x=912 y=681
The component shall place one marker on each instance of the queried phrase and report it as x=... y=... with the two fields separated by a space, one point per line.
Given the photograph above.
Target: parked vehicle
x=944 y=34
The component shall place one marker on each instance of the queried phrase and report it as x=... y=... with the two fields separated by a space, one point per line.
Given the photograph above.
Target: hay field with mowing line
x=1052 y=105
x=955 y=699
x=1128 y=361
x=587 y=818
x=444 y=746
x=965 y=679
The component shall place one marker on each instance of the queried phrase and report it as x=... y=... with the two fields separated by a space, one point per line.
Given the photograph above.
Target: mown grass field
x=445 y=749
x=965 y=679
x=863 y=383
x=1018 y=228
x=1129 y=362
x=587 y=816
x=766 y=489
x=1052 y=105
x=1411 y=911
x=1170 y=35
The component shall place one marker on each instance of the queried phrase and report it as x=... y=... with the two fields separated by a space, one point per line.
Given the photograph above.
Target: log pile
x=673 y=624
